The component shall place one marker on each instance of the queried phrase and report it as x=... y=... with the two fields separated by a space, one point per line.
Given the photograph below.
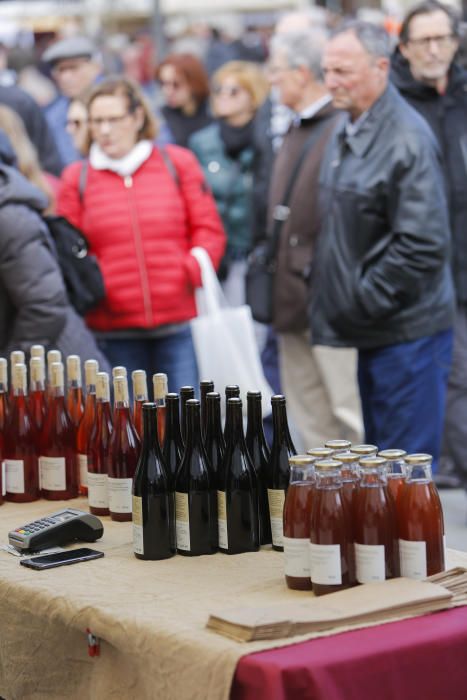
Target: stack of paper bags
x=354 y=607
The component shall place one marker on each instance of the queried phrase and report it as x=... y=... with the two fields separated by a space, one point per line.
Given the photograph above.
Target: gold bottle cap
x=364 y=450
x=160 y=385
x=300 y=460
x=57 y=375
x=16 y=358
x=4 y=372
x=119 y=371
x=140 y=384
x=347 y=457
x=37 y=351
x=418 y=458
x=102 y=386
x=392 y=455
x=37 y=369
x=121 y=389
x=91 y=368
x=320 y=452
x=327 y=465
x=372 y=462
x=338 y=444
x=19 y=377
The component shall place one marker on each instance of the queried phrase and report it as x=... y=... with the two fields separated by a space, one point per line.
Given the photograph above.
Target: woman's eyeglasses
x=226 y=90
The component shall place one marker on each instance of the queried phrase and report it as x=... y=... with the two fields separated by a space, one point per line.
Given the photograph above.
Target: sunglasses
x=227 y=91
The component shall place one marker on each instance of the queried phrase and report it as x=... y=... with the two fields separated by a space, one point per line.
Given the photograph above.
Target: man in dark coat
x=381 y=274
x=426 y=75
x=320 y=382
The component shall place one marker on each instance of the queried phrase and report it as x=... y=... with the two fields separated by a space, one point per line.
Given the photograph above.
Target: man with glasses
x=426 y=74
x=75 y=67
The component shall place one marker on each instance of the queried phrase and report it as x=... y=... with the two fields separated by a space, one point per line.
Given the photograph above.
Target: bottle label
x=276 y=498
x=120 y=495
x=370 y=562
x=182 y=521
x=83 y=469
x=325 y=564
x=297 y=556
x=98 y=490
x=14 y=475
x=53 y=473
x=413 y=559
x=138 y=539
x=222 y=520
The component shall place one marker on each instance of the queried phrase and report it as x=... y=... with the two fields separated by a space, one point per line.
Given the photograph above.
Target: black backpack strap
x=83 y=176
x=170 y=165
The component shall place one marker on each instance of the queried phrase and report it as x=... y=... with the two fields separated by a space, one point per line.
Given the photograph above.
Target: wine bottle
x=16 y=358
x=214 y=442
x=140 y=396
x=52 y=356
x=206 y=386
x=195 y=492
x=153 y=509
x=259 y=454
x=160 y=388
x=186 y=393
x=21 y=464
x=74 y=398
x=38 y=351
x=3 y=417
x=123 y=454
x=232 y=391
x=278 y=471
x=37 y=397
x=57 y=463
x=173 y=445
x=98 y=448
x=119 y=371
x=86 y=424
x=237 y=495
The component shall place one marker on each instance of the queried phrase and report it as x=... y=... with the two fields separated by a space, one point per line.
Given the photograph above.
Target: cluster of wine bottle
x=355 y=515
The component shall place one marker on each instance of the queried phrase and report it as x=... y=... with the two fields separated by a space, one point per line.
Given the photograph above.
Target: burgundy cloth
x=141 y=229
x=418 y=659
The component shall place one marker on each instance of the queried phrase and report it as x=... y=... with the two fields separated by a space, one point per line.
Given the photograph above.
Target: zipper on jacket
x=128 y=183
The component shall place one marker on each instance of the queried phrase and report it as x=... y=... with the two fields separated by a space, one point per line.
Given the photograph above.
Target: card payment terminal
x=62 y=527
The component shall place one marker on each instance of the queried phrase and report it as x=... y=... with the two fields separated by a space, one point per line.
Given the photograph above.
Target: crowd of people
x=349 y=145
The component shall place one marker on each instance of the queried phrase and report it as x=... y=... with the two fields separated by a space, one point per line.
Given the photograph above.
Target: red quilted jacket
x=141 y=228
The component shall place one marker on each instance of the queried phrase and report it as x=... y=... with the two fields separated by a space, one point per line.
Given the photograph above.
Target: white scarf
x=127 y=165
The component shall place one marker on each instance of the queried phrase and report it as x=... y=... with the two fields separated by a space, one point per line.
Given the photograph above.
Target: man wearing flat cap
x=75 y=67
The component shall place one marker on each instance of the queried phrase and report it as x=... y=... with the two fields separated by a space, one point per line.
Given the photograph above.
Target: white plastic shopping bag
x=224 y=338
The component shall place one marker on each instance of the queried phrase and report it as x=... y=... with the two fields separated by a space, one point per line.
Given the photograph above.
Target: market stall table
x=150 y=618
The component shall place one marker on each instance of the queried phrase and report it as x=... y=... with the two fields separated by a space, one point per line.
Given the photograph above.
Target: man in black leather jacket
x=381 y=279
x=427 y=76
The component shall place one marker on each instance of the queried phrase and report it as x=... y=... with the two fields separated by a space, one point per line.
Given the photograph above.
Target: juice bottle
x=350 y=474
x=338 y=445
x=297 y=514
x=374 y=524
x=364 y=450
x=421 y=523
x=395 y=471
x=329 y=535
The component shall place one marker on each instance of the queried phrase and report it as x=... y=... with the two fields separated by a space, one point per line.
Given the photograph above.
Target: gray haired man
x=320 y=382
x=381 y=278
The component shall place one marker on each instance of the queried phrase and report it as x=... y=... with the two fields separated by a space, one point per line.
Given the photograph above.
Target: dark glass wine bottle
x=232 y=391
x=237 y=495
x=195 y=492
x=173 y=445
x=214 y=442
x=186 y=393
x=123 y=454
x=57 y=463
x=160 y=387
x=259 y=454
x=21 y=463
x=91 y=367
x=140 y=396
x=206 y=386
x=153 y=500
x=279 y=470
x=98 y=448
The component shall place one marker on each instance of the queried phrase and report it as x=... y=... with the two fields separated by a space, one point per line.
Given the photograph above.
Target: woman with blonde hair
x=228 y=154
x=142 y=209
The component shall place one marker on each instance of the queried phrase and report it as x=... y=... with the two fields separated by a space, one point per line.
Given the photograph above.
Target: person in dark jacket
x=34 y=307
x=381 y=275
x=320 y=382
x=427 y=76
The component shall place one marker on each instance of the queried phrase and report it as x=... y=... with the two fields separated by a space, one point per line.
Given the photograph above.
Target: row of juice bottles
x=355 y=515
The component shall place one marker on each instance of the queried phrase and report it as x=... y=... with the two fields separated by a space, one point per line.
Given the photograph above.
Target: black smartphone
x=71 y=556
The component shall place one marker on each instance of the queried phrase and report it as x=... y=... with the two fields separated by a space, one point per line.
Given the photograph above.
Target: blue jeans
x=173 y=354
x=403 y=392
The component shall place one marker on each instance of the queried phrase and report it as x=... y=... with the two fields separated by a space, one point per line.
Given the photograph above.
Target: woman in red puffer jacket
x=142 y=209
